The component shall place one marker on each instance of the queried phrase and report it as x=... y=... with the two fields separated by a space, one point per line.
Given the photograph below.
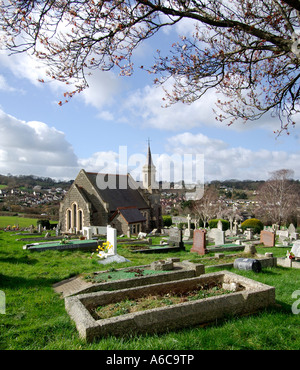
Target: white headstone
x=187 y=233
x=111 y=237
x=142 y=235
x=296 y=248
x=219 y=237
x=291 y=229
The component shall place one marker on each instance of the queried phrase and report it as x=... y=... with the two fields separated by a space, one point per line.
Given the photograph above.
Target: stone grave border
x=182 y=270
x=254 y=297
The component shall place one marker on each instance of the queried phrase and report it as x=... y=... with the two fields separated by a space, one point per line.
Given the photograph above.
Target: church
x=126 y=206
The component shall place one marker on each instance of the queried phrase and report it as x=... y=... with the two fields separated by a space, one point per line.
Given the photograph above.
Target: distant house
x=123 y=204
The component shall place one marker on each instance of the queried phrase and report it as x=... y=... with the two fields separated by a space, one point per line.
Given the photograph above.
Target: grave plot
x=246 y=296
x=128 y=277
x=63 y=245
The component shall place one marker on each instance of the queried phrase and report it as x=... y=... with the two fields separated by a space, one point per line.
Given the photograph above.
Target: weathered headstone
x=175 y=238
x=291 y=229
x=250 y=249
x=249 y=234
x=220 y=225
x=293 y=232
x=282 y=234
x=219 y=237
x=267 y=238
x=296 y=249
x=57 y=230
x=142 y=235
x=186 y=234
x=199 y=242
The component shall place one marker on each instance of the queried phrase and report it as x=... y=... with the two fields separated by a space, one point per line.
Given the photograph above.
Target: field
x=35 y=317
x=16 y=220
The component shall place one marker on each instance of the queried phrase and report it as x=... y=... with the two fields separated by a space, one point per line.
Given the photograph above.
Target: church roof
x=131 y=214
x=125 y=193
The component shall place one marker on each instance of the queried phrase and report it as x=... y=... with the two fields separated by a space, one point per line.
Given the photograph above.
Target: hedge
x=254 y=224
x=214 y=223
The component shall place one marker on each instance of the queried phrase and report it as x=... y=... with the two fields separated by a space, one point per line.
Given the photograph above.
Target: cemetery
x=105 y=272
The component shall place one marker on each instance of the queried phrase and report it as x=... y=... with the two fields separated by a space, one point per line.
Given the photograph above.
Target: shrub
x=254 y=224
x=214 y=223
x=167 y=220
x=44 y=223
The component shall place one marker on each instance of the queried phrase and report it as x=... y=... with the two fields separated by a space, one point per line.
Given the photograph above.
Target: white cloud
x=148 y=104
x=23 y=65
x=105 y=162
x=224 y=162
x=34 y=148
x=103 y=89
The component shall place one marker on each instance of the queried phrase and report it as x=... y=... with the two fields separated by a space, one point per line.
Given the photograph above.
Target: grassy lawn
x=15 y=220
x=35 y=316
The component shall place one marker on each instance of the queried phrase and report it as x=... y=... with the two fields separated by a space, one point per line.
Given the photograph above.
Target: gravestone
x=230 y=222
x=291 y=229
x=175 y=238
x=199 y=242
x=296 y=249
x=248 y=234
x=142 y=235
x=293 y=232
x=282 y=234
x=267 y=238
x=112 y=239
x=220 y=225
x=57 y=230
x=235 y=228
x=219 y=237
x=187 y=234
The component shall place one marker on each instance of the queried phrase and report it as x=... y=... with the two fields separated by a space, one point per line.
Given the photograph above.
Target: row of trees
x=278 y=201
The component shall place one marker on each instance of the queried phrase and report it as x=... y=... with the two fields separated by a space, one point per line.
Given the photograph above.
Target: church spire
x=149 y=156
x=149 y=171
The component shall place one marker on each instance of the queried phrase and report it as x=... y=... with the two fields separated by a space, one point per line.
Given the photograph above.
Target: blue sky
x=39 y=137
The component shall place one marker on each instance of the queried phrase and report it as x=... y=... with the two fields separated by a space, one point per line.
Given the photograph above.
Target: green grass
x=15 y=220
x=36 y=318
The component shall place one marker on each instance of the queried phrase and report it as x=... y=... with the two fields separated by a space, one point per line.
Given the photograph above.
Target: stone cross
x=189 y=222
x=230 y=220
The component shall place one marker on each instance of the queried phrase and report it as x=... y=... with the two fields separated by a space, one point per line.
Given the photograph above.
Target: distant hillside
x=239 y=184
x=30 y=181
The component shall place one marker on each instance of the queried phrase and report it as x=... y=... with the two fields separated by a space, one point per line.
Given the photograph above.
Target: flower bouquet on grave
x=103 y=250
x=64 y=241
x=291 y=256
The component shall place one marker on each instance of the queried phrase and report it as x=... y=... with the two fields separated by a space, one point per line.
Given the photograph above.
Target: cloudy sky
x=116 y=116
